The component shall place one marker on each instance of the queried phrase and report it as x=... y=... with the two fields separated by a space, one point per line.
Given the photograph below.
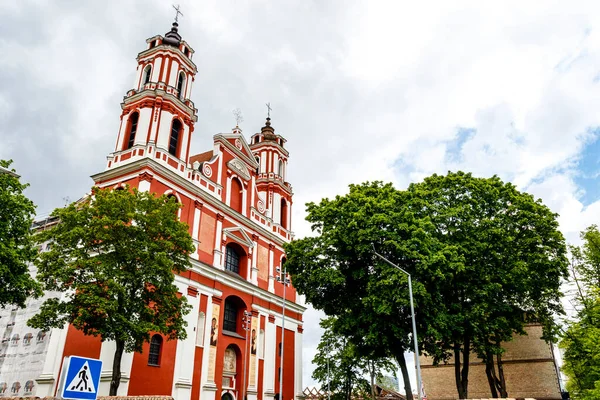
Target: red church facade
x=237 y=203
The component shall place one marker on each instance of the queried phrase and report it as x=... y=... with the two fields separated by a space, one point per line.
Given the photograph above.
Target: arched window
x=230 y=315
x=232 y=259
x=133 y=123
x=280 y=171
x=155 y=347
x=284 y=214
x=147 y=74
x=174 y=140
x=236 y=195
x=180 y=83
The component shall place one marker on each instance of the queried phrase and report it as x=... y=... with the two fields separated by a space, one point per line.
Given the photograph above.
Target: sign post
x=80 y=378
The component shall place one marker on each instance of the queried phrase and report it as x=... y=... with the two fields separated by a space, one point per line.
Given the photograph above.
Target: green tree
x=340 y=366
x=338 y=273
x=512 y=260
x=581 y=340
x=481 y=254
x=114 y=255
x=581 y=357
x=16 y=244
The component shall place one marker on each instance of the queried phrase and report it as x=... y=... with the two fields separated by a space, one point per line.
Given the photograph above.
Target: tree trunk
x=457 y=380
x=465 y=367
x=502 y=381
x=405 y=376
x=491 y=374
x=372 y=371
x=116 y=371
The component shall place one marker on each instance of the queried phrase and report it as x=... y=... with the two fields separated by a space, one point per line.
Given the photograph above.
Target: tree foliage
x=581 y=340
x=114 y=256
x=512 y=258
x=482 y=255
x=341 y=368
x=16 y=244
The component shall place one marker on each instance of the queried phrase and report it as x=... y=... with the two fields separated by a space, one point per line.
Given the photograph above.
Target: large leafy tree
x=512 y=260
x=338 y=273
x=481 y=253
x=114 y=255
x=581 y=339
x=16 y=245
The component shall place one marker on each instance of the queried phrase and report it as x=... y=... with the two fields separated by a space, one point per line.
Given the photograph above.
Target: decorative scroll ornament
x=261 y=206
x=207 y=170
x=239 y=167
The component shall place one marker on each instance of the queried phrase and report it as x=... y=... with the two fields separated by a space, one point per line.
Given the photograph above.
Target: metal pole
x=282 y=337
x=328 y=376
x=412 y=315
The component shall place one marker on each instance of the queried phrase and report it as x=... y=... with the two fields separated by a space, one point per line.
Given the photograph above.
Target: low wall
x=99 y=398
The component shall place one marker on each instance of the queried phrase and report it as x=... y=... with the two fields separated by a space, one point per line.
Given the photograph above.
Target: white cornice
x=194 y=191
x=243 y=286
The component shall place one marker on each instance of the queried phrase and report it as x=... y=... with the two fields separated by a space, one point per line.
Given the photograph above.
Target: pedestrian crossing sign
x=81 y=379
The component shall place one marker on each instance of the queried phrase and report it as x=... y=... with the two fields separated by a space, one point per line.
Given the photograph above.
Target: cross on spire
x=268 y=109
x=177 y=12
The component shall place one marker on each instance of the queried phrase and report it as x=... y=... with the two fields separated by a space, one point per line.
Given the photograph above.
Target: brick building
x=237 y=203
x=529 y=368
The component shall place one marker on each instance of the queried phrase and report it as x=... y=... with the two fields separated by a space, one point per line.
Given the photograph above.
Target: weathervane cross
x=237 y=113
x=268 y=109
x=177 y=12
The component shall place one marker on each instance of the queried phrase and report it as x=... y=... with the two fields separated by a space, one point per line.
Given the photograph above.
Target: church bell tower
x=158 y=116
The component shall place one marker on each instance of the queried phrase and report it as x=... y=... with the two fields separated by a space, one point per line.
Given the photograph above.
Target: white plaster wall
x=269 y=365
x=137 y=76
x=143 y=125
x=263 y=161
x=174 y=73
x=185 y=138
x=276 y=208
x=298 y=388
x=164 y=130
x=121 y=135
x=188 y=86
x=156 y=69
x=275 y=163
x=184 y=356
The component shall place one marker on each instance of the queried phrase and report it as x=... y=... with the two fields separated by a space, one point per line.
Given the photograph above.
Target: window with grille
x=174 y=141
x=232 y=260
x=230 y=317
x=154 y=353
x=133 y=122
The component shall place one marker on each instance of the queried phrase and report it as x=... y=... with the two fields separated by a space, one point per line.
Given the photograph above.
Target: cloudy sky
x=362 y=90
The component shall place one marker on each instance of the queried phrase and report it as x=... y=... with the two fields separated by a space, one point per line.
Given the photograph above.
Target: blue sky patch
x=588 y=170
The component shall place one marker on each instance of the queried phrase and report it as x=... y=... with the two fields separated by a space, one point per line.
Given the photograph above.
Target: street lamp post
x=283 y=279
x=412 y=315
x=246 y=325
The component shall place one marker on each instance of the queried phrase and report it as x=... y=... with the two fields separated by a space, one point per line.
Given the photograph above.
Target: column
x=210 y=351
x=254 y=274
x=107 y=355
x=196 y=227
x=298 y=389
x=269 y=367
x=218 y=251
x=271 y=277
x=186 y=348
x=48 y=379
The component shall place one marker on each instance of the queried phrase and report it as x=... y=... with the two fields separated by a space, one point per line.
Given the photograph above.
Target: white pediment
x=239 y=167
x=239 y=235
